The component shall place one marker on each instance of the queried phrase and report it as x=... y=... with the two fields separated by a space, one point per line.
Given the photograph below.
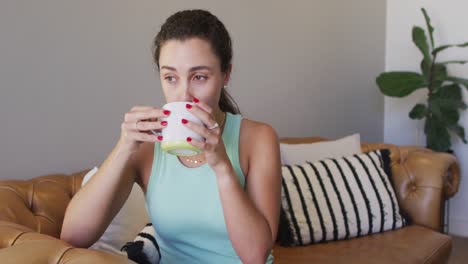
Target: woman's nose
x=186 y=94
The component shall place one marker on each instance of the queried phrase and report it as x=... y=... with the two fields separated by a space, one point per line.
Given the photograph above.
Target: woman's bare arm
x=94 y=206
x=252 y=217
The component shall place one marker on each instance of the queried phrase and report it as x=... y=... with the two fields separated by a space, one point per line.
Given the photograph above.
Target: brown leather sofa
x=32 y=211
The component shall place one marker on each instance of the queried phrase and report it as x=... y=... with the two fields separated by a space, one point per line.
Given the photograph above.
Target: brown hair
x=202 y=24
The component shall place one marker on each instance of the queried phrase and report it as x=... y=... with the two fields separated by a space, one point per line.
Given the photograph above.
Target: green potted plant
x=444 y=101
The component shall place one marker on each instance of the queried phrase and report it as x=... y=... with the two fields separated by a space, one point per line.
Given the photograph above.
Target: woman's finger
x=148 y=114
x=201 y=130
x=145 y=126
x=139 y=108
x=198 y=144
x=203 y=106
x=206 y=117
x=144 y=137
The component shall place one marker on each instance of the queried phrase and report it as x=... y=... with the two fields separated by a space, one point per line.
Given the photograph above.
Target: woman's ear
x=227 y=75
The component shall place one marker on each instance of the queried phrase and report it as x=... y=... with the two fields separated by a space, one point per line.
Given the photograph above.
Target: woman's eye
x=170 y=78
x=200 y=77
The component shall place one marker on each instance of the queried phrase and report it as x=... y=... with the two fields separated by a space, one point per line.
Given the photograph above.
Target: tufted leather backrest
x=422 y=179
x=39 y=203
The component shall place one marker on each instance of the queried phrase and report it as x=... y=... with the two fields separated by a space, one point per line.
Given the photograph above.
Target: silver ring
x=216 y=125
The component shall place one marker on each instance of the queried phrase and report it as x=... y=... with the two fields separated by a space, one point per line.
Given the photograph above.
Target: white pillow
x=126 y=225
x=300 y=153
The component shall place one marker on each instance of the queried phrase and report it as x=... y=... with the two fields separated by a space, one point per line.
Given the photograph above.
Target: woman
x=220 y=206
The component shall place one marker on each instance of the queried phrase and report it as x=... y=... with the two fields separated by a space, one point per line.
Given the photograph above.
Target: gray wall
x=69 y=70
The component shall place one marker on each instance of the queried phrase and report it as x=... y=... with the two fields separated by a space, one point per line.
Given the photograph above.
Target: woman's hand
x=215 y=152
x=142 y=124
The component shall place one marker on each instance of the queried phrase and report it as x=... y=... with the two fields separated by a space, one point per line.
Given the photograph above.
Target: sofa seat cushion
x=411 y=244
x=20 y=244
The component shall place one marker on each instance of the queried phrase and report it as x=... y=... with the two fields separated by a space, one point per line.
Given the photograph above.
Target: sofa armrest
x=19 y=244
x=423 y=180
x=39 y=203
x=31 y=216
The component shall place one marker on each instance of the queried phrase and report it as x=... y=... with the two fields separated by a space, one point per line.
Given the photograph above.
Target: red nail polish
x=188 y=106
x=189 y=139
x=164 y=123
x=160 y=138
x=195 y=100
x=166 y=112
x=184 y=121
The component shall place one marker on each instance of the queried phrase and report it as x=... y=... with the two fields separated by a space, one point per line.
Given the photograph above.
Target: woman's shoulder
x=256 y=139
x=255 y=132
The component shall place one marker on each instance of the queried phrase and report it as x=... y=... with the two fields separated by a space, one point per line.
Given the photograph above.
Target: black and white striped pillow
x=335 y=199
x=144 y=249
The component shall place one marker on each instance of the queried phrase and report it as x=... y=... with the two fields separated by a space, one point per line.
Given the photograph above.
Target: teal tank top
x=185 y=208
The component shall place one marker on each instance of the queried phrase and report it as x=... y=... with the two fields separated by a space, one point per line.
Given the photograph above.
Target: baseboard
x=458 y=227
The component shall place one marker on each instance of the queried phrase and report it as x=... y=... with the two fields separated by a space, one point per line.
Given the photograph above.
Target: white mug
x=175 y=133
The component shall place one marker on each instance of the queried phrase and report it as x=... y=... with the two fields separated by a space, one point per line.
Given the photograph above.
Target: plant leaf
x=429 y=26
x=400 y=84
x=451 y=92
x=419 y=38
x=457 y=80
x=451 y=116
x=445 y=110
x=462 y=105
x=434 y=110
x=425 y=69
x=439 y=75
x=449 y=103
x=441 y=48
x=418 y=111
x=449 y=62
x=459 y=131
x=437 y=136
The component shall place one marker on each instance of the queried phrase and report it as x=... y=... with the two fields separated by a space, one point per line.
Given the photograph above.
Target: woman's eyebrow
x=169 y=68
x=196 y=68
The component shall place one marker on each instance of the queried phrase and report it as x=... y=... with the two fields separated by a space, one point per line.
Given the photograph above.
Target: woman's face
x=190 y=69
